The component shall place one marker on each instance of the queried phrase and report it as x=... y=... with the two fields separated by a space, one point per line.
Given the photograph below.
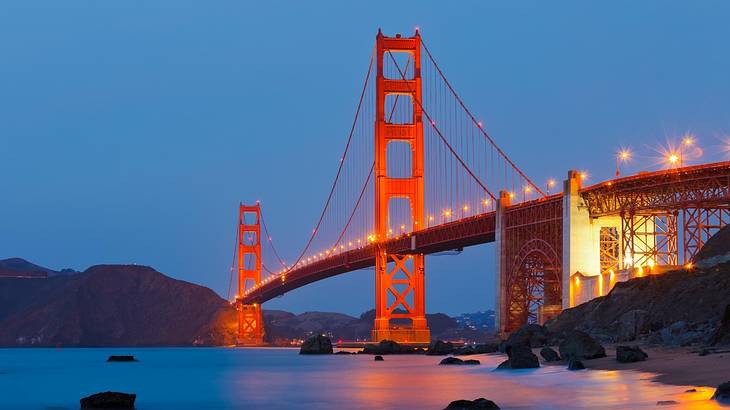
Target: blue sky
x=129 y=130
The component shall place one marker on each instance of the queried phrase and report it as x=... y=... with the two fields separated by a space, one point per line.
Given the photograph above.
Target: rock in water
x=520 y=357
x=630 y=354
x=121 y=359
x=476 y=349
x=574 y=364
x=379 y=358
x=452 y=360
x=480 y=403
x=317 y=345
x=722 y=394
x=549 y=354
x=109 y=400
x=440 y=348
x=532 y=335
x=388 y=347
x=666 y=402
x=580 y=346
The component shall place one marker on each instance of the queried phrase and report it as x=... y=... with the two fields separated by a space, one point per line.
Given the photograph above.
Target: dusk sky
x=130 y=130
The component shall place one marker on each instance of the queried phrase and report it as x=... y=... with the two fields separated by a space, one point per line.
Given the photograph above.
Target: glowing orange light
x=402 y=227
x=673 y=158
x=577 y=281
x=465 y=208
x=551 y=182
x=511 y=194
x=528 y=189
x=650 y=263
x=447 y=212
x=688 y=140
x=430 y=217
x=583 y=175
x=688 y=266
x=486 y=202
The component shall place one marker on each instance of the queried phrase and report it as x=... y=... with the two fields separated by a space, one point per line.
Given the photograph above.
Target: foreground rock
x=630 y=354
x=389 y=347
x=722 y=394
x=121 y=359
x=317 y=345
x=440 y=348
x=520 y=357
x=549 y=354
x=532 y=335
x=379 y=358
x=109 y=400
x=480 y=403
x=580 y=346
x=457 y=361
x=574 y=364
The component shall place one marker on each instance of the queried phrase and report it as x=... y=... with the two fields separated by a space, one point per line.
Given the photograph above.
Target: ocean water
x=243 y=378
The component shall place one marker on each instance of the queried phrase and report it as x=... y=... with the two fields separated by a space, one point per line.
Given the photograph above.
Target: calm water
x=198 y=378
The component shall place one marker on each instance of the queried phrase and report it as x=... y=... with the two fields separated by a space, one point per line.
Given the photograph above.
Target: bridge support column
x=250 y=317
x=400 y=308
x=501 y=309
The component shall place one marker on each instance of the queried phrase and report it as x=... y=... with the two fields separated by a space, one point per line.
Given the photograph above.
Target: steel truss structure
x=250 y=318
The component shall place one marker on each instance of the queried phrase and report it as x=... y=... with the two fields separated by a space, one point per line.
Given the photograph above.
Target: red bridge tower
x=399 y=279
x=250 y=319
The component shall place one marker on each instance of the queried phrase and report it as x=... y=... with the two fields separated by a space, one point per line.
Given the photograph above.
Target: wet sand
x=678 y=366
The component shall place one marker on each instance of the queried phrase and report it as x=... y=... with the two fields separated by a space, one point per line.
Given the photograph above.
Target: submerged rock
x=455 y=360
x=121 y=359
x=379 y=358
x=580 y=346
x=317 y=344
x=722 y=394
x=109 y=400
x=574 y=364
x=480 y=403
x=630 y=354
x=549 y=354
x=440 y=348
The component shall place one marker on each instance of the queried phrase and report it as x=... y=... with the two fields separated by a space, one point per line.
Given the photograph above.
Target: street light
x=622 y=156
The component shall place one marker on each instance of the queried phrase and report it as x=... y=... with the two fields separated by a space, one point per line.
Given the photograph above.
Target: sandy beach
x=679 y=366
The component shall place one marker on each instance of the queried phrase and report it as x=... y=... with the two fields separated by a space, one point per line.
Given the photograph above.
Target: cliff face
x=680 y=307
x=112 y=305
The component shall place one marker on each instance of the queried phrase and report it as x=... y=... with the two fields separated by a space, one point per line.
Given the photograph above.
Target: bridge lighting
x=688 y=265
x=486 y=203
x=358 y=241
x=402 y=227
x=584 y=175
x=447 y=212
x=577 y=281
x=650 y=263
x=688 y=140
x=673 y=158
x=465 y=208
x=371 y=238
x=430 y=218
x=390 y=230
x=628 y=260
x=349 y=244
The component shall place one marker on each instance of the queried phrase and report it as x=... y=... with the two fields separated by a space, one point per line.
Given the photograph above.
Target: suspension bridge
x=420 y=175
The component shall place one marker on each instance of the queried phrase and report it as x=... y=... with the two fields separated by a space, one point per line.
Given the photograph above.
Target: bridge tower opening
x=250 y=318
x=400 y=312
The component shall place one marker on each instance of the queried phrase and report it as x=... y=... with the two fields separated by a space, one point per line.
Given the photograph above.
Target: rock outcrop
x=580 y=346
x=109 y=400
x=389 y=347
x=476 y=349
x=455 y=360
x=721 y=335
x=520 y=357
x=478 y=404
x=630 y=354
x=124 y=358
x=575 y=364
x=722 y=393
x=532 y=335
x=317 y=344
x=440 y=348
x=549 y=355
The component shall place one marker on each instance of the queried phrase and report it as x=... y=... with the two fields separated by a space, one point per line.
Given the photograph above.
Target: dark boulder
x=574 y=364
x=342 y=352
x=580 y=346
x=317 y=344
x=632 y=324
x=440 y=348
x=722 y=394
x=378 y=358
x=549 y=354
x=630 y=354
x=121 y=359
x=520 y=357
x=109 y=400
x=480 y=403
x=532 y=335
x=451 y=360
x=455 y=360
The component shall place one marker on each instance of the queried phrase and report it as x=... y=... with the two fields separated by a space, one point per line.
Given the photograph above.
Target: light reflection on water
x=190 y=378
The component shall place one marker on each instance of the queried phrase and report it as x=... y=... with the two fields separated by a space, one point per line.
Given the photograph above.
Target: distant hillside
x=112 y=305
x=131 y=305
x=21 y=267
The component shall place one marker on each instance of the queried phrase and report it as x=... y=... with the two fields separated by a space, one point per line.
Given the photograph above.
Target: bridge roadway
x=668 y=189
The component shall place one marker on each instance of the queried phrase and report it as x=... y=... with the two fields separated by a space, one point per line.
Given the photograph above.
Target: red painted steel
x=250 y=318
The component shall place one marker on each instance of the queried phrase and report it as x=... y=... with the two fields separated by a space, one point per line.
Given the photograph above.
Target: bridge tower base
x=400 y=312
x=250 y=317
